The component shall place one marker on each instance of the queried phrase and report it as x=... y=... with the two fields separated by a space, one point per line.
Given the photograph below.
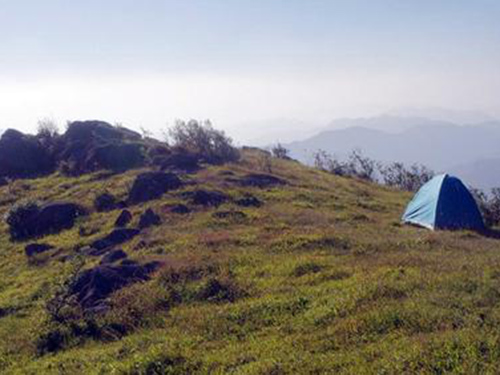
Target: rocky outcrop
x=148 y=219
x=92 y=145
x=23 y=156
x=123 y=219
x=94 y=285
x=31 y=220
x=152 y=185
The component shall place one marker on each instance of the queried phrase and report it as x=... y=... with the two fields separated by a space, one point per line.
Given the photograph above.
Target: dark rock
x=116 y=237
x=105 y=202
x=113 y=256
x=93 y=286
x=3 y=181
x=206 y=198
x=152 y=185
x=23 y=156
x=124 y=218
x=36 y=248
x=34 y=221
x=258 y=180
x=116 y=157
x=180 y=161
x=249 y=201
x=148 y=219
x=179 y=209
x=233 y=215
x=88 y=146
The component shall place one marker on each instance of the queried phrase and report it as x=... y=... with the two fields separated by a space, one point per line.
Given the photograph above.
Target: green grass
x=321 y=279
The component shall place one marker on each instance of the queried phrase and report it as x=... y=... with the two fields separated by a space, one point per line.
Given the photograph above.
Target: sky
x=248 y=65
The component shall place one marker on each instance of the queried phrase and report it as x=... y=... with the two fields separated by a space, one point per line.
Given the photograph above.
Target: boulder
x=178 y=161
x=207 y=198
x=117 y=157
x=91 y=287
x=88 y=146
x=148 y=219
x=248 y=201
x=232 y=215
x=259 y=180
x=36 y=248
x=23 y=156
x=32 y=221
x=116 y=237
x=179 y=209
x=105 y=202
x=113 y=256
x=123 y=219
x=152 y=185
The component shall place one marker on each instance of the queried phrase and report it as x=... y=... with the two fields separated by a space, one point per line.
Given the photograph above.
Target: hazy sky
x=145 y=63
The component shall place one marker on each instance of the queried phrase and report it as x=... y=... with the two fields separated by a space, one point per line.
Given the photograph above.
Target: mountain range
x=470 y=151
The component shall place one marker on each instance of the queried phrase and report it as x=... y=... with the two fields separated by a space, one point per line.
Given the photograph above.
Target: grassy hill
x=321 y=278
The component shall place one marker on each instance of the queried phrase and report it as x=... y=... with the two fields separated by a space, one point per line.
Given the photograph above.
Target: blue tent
x=444 y=203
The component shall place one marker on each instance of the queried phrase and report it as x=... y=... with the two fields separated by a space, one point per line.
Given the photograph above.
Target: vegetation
x=319 y=278
x=202 y=139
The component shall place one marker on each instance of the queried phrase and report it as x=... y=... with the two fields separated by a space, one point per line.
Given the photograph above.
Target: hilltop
x=255 y=266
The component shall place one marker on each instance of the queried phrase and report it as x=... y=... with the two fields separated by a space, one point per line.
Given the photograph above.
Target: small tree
x=280 y=152
x=47 y=132
x=399 y=176
x=202 y=139
x=489 y=205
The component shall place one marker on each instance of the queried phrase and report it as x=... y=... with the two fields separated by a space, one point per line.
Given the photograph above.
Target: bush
x=212 y=145
x=357 y=165
x=399 y=176
x=280 y=152
x=489 y=205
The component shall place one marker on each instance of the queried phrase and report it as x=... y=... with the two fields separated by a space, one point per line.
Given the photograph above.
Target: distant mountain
x=441 y=145
x=461 y=117
x=483 y=174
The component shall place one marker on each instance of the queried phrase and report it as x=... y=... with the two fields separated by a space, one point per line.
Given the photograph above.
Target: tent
x=444 y=203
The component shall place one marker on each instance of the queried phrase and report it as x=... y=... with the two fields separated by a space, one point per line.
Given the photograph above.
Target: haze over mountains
x=469 y=151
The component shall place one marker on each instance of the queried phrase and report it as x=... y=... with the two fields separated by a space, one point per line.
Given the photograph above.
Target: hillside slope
x=320 y=278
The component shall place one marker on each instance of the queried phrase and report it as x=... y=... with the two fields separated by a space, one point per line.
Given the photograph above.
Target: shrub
x=489 y=205
x=280 y=152
x=356 y=165
x=212 y=145
x=47 y=132
x=399 y=176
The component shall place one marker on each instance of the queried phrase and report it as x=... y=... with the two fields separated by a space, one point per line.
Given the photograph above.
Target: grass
x=321 y=279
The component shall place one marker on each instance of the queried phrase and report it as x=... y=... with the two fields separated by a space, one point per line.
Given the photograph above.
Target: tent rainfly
x=444 y=203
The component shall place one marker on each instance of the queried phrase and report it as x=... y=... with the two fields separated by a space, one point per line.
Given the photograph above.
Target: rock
x=258 y=180
x=94 y=285
x=33 y=221
x=248 y=201
x=152 y=185
x=148 y=219
x=116 y=157
x=88 y=146
x=178 y=161
x=233 y=215
x=116 y=237
x=3 y=181
x=36 y=248
x=179 y=209
x=207 y=198
x=113 y=256
x=23 y=156
x=105 y=202
x=124 y=218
